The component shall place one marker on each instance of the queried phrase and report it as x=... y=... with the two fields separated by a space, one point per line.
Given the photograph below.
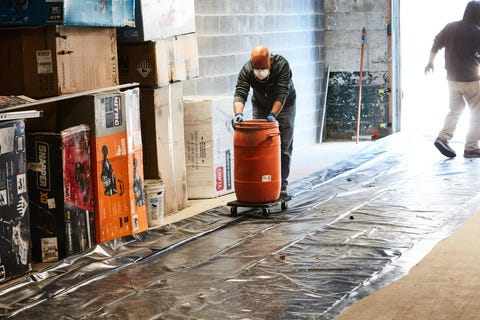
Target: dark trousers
x=286 y=121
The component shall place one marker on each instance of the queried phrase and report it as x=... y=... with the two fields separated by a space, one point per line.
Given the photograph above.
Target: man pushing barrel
x=273 y=98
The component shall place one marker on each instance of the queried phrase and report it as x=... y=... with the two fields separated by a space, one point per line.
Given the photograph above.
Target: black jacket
x=461 y=40
x=277 y=87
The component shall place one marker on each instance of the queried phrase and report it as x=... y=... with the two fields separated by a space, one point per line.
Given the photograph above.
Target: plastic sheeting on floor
x=349 y=230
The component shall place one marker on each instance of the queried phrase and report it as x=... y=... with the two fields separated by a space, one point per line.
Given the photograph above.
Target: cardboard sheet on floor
x=349 y=230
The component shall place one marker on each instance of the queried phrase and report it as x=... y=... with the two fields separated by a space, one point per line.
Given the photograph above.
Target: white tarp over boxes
x=209 y=145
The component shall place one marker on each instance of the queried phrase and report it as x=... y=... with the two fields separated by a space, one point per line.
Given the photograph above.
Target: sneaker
x=475 y=153
x=444 y=148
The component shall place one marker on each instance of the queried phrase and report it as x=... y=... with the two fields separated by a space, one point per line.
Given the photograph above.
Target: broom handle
x=364 y=32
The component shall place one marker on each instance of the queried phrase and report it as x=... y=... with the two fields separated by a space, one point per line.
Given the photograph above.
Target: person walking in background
x=273 y=98
x=461 y=41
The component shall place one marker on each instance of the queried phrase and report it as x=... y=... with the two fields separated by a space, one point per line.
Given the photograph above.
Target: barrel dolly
x=265 y=206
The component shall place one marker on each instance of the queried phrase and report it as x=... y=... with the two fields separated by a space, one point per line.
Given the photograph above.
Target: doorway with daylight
x=425 y=97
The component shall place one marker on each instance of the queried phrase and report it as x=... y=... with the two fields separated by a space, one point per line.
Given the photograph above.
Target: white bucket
x=154 y=195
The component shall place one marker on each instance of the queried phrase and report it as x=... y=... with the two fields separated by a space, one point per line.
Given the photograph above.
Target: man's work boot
x=475 y=153
x=283 y=192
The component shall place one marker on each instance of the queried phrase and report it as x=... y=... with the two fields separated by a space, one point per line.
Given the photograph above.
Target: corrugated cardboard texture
x=154 y=64
x=209 y=145
x=164 y=144
x=49 y=61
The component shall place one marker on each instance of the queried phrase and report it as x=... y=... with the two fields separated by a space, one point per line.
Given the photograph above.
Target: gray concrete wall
x=344 y=20
x=227 y=30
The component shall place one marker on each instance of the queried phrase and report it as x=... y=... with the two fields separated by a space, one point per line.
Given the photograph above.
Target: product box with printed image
x=15 y=241
x=158 y=19
x=209 y=145
x=31 y=13
x=78 y=198
x=45 y=193
x=60 y=190
x=106 y=13
x=116 y=146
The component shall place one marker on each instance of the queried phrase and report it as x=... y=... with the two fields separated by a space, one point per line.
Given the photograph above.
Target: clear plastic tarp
x=349 y=230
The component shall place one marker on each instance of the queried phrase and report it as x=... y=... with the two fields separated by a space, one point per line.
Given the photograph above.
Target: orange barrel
x=256 y=155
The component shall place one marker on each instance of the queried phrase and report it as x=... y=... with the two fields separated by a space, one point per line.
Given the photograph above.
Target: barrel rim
x=256 y=123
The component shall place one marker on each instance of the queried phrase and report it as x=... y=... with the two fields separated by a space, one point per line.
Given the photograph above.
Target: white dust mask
x=261 y=74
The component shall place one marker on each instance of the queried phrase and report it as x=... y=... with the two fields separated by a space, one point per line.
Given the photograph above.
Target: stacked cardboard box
x=15 y=250
x=209 y=145
x=116 y=145
x=58 y=49
x=159 y=62
x=158 y=19
x=49 y=61
x=159 y=53
x=113 y=13
x=78 y=189
x=61 y=201
x=164 y=144
x=45 y=182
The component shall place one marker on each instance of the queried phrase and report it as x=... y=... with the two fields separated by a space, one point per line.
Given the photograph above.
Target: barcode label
x=44 y=62
x=49 y=249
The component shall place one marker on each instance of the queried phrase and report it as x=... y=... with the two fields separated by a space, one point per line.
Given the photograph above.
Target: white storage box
x=208 y=145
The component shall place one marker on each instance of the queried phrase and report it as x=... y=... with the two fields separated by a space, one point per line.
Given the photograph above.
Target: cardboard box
x=116 y=145
x=112 y=13
x=209 y=145
x=78 y=198
x=12 y=101
x=147 y=63
x=186 y=49
x=45 y=123
x=156 y=63
x=161 y=113
x=15 y=248
x=31 y=13
x=158 y=19
x=49 y=61
x=61 y=200
x=45 y=182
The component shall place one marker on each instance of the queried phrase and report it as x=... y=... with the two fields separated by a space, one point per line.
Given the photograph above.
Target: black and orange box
x=117 y=159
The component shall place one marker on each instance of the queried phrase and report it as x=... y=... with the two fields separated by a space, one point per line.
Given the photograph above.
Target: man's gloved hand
x=238 y=117
x=271 y=117
x=429 y=68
